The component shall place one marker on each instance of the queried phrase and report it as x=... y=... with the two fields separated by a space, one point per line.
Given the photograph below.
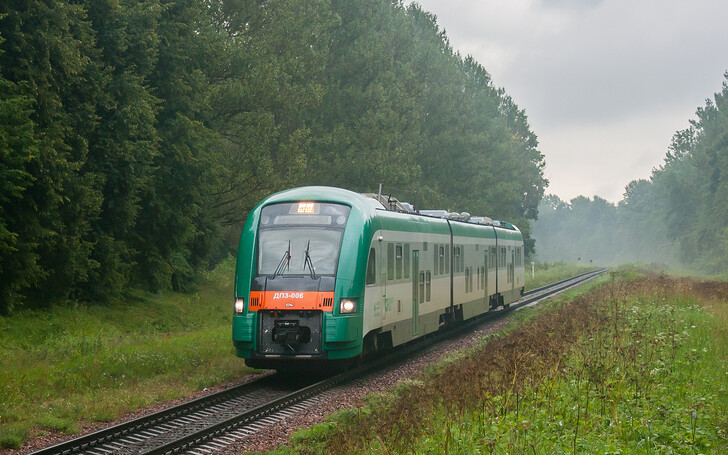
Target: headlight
x=239 y=304
x=348 y=306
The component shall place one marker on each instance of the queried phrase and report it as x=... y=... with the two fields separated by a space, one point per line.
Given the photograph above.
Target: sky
x=605 y=83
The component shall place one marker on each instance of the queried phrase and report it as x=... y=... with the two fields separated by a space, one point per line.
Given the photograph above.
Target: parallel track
x=208 y=419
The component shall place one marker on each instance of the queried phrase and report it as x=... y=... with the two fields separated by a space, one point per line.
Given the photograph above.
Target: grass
x=637 y=365
x=545 y=273
x=65 y=366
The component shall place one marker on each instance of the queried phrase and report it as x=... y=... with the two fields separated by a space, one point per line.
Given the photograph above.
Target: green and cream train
x=326 y=275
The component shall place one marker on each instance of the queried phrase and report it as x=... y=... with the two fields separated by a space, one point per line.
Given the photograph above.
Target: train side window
x=482 y=278
x=478 y=280
x=436 y=256
x=398 y=260
x=467 y=280
x=493 y=261
x=390 y=261
x=406 y=261
x=462 y=259
x=428 y=286
x=372 y=267
x=422 y=286
x=442 y=259
x=456 y=258
x=447 y=259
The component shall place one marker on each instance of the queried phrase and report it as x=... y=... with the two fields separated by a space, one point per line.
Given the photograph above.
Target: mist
x=599 y=232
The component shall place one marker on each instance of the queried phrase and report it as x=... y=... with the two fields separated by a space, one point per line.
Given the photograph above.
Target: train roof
x=371 y=203
x=325 y=194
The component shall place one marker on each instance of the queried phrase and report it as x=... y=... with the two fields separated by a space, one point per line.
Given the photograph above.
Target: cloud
x=605 y=84
x=602 y=159
x=619 y=58
x=571 y=4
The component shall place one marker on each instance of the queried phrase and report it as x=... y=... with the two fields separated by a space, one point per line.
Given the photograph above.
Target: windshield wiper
x=308 y=261
x=285 y=262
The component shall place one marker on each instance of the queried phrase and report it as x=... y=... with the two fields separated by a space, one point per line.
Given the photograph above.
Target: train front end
x=297 y=299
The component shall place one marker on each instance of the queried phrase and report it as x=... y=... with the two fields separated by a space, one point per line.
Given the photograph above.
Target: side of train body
x=325 y=275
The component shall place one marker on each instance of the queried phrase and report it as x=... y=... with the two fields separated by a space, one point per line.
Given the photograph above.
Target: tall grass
x=65 y=366
x=636 y=366
x=547 y=273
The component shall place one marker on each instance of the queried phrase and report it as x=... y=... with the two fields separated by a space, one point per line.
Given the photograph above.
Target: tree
x=19 y=268
x=48 y=57
x=123 y=145
x=269 y=74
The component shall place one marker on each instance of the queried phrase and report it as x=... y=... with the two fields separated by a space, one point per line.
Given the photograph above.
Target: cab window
x=372 y=267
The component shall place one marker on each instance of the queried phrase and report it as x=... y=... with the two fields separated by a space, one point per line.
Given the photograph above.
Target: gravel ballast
x=272 y=436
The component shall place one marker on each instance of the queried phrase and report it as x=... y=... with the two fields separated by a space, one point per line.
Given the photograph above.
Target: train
x=326 y=276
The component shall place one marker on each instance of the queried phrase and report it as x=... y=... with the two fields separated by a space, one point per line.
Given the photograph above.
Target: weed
x=13 y=435
x=637 y=365
x=63 y=366
x=545 y=273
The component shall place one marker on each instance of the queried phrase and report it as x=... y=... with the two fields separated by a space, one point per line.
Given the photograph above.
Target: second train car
x=325 y=275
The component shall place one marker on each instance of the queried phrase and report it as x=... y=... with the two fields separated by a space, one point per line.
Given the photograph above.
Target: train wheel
x=370 y=345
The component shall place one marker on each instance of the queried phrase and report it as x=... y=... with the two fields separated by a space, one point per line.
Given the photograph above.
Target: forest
x=136 y=135
x=677 y=217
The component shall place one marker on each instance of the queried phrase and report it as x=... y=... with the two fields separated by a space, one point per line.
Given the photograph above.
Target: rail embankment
x=639 y=364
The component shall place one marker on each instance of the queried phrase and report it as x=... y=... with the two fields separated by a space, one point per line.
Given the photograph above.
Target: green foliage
x=546 y=273
x=677 y=217
x=642 y=371
x=19 y=267
x=137 y=135
x=122 y=148
x=13 y=435
x=268 y=77
x=46 y=56
x=65 y=365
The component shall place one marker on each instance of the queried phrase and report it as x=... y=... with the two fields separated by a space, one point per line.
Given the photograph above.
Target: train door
x=418 y=281
x=512 y=268
x=484 y=276
x=384 y=261
x=374 y=298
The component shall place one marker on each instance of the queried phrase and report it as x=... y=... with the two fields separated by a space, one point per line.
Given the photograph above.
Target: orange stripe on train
x=291 y=300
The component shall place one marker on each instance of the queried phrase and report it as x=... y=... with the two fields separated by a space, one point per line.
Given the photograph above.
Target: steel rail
x=206 y=435
x=129 y=429
x=105 y=435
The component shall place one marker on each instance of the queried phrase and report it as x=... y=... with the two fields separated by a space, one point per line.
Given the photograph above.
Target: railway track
x=212 y=422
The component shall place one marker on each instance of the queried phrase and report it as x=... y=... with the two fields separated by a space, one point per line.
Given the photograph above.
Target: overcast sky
x=605 y=83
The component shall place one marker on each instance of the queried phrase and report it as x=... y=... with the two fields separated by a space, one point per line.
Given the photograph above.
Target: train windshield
x=301 y=238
